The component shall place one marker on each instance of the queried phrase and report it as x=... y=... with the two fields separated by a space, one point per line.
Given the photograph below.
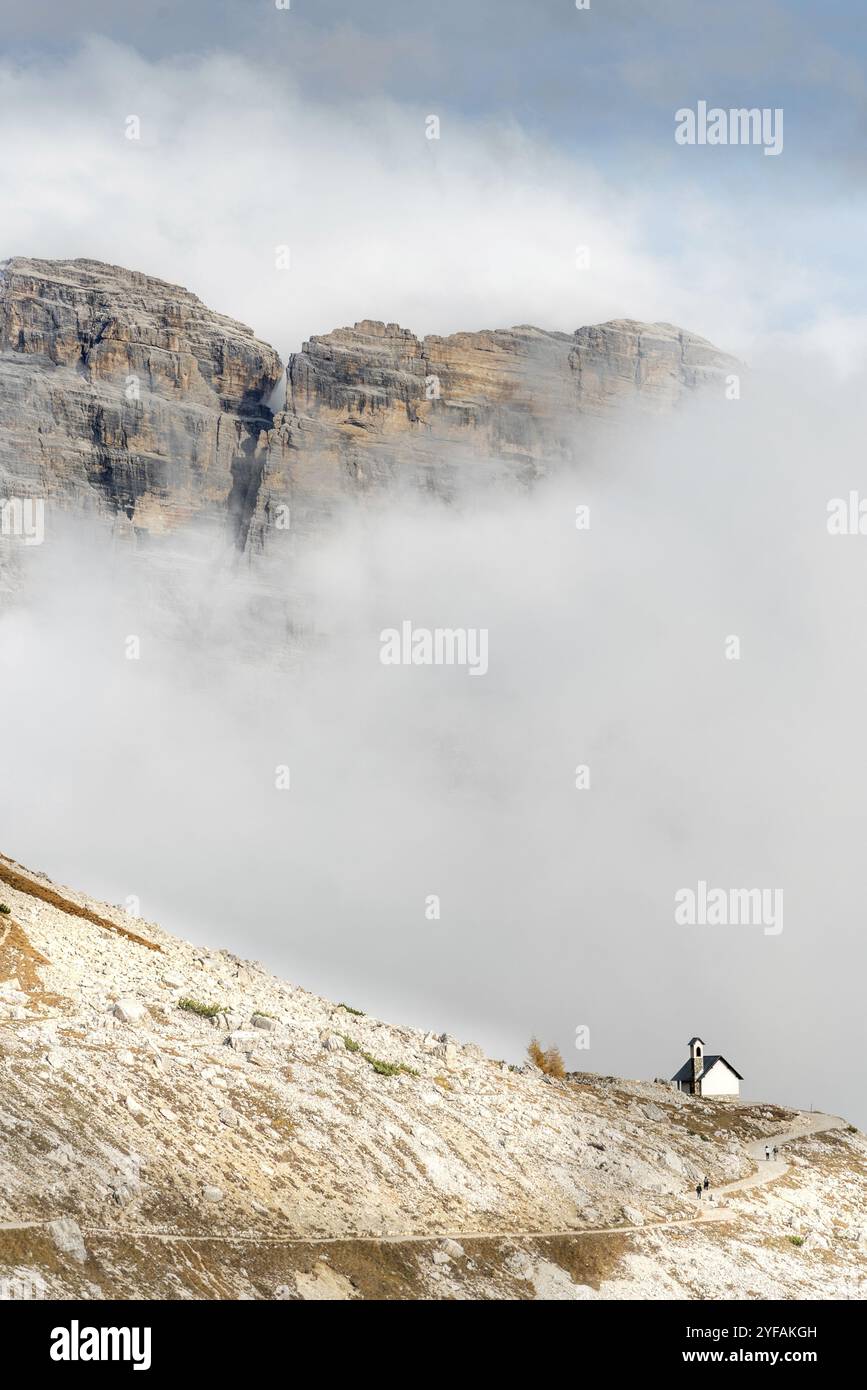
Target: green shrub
x=797 y=1240
x=195 y=1006
x=359 y=1013
x=381 y=1068
x=388 y=1068
x=5 y=909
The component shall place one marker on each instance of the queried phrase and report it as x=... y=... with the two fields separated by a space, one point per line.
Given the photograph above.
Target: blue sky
x=597 y=73
x=555 y=100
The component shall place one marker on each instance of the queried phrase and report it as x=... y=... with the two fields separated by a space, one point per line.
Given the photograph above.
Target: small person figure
x=706 y=1184
x=767 y=1153
x=698 y=1190
x=775 y=1151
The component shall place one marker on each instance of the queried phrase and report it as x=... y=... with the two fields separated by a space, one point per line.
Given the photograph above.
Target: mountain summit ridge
x=126 y=396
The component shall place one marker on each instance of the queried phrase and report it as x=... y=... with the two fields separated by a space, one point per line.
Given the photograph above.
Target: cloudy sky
x=306 y=128
x=262 y=128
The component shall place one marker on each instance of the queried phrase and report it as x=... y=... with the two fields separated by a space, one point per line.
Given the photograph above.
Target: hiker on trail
x=706 y=1184
x=698 y=1190
x=767 y=1153
x=775 y=1151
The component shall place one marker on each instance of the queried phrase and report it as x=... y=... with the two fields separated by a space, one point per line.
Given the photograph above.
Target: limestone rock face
x=513 y=384
x=125 y=395
x=113 y=322
x=373 y=405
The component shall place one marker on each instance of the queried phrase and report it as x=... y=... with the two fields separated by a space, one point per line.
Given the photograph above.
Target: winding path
x=767 y=1170
x=710 y=1210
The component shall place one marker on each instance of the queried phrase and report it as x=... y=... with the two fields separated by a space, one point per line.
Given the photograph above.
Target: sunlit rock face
x=120 y=393
x=124 y=395
x=373 y=405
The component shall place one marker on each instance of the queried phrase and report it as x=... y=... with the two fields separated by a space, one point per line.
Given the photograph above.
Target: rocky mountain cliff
x=124 y=395
x=175 y=1122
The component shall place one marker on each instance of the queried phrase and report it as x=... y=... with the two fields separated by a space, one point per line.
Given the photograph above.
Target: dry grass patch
x=24 y=884
x=20 y=961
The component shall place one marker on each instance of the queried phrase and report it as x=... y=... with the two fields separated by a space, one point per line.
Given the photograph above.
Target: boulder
x=130 y=1011
x=122 y=1191
x=449 y=1053
x=652 y=1112
x=229 y=1022
x=68 y=1239
x=452 y=1249
x=264 y=1021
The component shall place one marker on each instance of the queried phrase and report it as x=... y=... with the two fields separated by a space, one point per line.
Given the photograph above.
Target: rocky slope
x=288 y=1147
x=124 y=395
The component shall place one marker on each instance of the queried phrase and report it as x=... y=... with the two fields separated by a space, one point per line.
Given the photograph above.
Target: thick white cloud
x=476 y=229
x=607 y=648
